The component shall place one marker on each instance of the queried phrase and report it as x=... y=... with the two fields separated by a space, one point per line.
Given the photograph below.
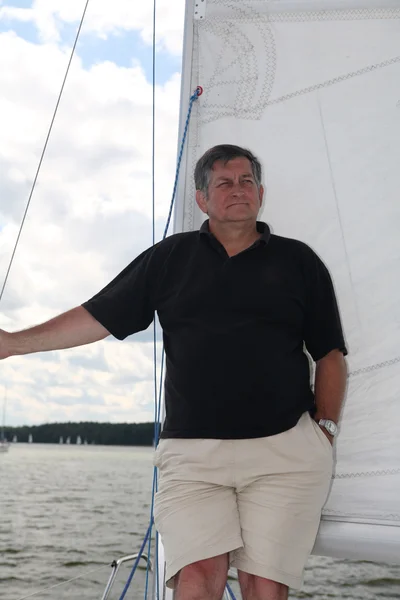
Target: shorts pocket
x=322 y=437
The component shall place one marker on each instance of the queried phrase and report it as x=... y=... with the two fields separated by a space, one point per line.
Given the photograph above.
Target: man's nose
x=237 y=189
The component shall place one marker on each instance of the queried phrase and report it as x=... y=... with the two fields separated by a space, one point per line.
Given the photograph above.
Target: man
x=244 y=468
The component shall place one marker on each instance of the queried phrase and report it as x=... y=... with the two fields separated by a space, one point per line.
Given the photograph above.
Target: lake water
x=66 y=510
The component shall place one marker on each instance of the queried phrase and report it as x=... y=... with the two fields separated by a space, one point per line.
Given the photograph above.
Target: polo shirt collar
x=262 y=228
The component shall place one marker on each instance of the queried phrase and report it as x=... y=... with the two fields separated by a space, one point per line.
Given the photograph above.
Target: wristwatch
x=329 y=425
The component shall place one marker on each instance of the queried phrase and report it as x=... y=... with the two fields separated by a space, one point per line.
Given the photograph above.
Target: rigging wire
x=52 y=587
x=153 y=124
x=44 y=147
x=153 y=135
x=153 y=198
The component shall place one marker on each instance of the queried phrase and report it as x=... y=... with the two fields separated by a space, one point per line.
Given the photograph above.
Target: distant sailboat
x=15 y=439
x=68 y=440
x=61 y=440
x=30 y=439
x=78 y=440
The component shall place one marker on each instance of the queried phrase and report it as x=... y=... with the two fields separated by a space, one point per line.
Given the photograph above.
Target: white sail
x=313 y=89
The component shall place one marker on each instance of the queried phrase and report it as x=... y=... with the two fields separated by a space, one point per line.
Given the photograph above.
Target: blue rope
x=193 y=97
x=128 y=583
x=146 y=589
x=158 y=399
x=158 y=404
x=230 y=591
x=158 y=417
x=157 y=571
x=155 y=474
x=157 y=427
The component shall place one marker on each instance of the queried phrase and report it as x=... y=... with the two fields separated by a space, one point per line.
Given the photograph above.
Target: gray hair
x=225 y=153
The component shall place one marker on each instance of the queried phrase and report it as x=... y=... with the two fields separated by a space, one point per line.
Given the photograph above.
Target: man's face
x=233 y=195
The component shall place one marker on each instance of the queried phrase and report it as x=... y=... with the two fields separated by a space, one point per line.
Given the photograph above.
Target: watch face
x=331 y=427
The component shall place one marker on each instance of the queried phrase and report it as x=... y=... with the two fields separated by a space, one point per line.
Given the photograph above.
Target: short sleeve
x=126 y=305
x=323 y=329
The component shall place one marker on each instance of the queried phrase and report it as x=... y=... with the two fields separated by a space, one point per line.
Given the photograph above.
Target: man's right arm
x=73 y=328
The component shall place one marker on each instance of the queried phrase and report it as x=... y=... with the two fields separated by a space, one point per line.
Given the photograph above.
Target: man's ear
x=201 y=201
x=261 y=195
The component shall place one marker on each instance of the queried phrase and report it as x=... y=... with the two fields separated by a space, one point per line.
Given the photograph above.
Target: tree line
x=88 y=432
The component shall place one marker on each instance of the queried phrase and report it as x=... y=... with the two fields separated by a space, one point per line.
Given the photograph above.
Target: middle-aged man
x=245 y=457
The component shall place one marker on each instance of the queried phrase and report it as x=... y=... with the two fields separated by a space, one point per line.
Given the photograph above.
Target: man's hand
x=328 y=435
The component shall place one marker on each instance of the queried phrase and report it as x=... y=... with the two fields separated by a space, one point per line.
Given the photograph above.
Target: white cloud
x=104 y=18
x=90 y=213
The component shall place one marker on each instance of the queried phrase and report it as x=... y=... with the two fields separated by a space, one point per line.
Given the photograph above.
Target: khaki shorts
x=258 y=499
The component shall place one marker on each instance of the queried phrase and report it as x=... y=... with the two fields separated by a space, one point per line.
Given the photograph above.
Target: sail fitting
x=200 y=10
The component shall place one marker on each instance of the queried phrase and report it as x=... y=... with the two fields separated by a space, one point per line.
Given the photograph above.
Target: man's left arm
x=330 y=387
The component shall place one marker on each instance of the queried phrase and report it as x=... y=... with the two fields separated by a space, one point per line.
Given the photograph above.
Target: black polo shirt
x=234 y=329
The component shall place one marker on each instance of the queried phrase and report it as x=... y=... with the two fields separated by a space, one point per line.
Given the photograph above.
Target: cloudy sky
x=90 y=214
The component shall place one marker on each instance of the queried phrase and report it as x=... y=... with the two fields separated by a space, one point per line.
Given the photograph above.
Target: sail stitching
x=386 y=363
x=393 y=516
x=378 y=473
x=337 y=15
x=335 y=80
x=248 y=101
x=344 y=14
x=249 y=92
